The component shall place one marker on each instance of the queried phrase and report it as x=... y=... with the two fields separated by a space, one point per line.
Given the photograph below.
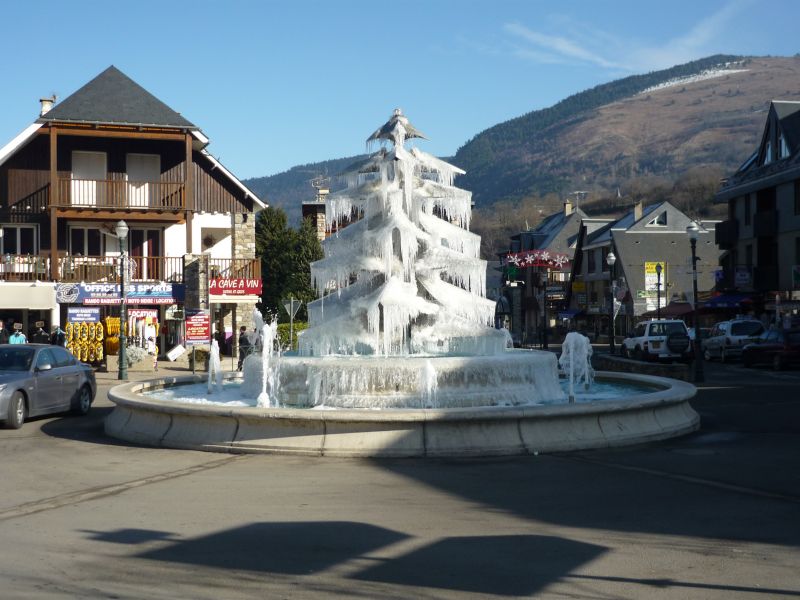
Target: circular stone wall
x=484 y=431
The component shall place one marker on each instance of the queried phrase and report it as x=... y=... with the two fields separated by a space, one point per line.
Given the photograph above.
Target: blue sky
x=276 y=84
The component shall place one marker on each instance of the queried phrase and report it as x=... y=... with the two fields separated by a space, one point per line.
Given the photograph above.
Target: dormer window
x=784 y=148
x=659 y=221
x=768 y=153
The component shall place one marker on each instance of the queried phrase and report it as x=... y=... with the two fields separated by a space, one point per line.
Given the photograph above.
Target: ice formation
x=575 y=361
x=402 y=275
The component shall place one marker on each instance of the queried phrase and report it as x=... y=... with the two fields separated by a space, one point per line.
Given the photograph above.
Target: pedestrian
x=3 y=333
x=244 y=346
x=152 y=349
x=18 y=337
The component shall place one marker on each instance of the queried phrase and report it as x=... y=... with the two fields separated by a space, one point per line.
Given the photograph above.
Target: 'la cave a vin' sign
x=235 y=286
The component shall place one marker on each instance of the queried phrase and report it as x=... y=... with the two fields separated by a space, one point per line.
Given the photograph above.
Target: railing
x=233 y=268
x=127 y=195
x=24 y=267
x=726 y=234
x=105 y=269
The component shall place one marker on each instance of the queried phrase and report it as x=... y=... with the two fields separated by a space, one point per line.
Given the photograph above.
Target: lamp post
x=122 y=235
x=611 y=259
x=658 y=291
x=544 y=308
x=692 y=230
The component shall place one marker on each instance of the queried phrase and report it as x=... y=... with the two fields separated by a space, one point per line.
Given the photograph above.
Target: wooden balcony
x=234 y=268
x=24 y=267
x=105 y=269
x=120 y=195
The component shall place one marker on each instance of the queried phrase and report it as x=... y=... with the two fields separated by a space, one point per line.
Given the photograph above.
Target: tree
x=286 y=255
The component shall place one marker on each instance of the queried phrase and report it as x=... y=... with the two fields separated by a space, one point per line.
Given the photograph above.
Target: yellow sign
x=578 y=286
x=650 y=268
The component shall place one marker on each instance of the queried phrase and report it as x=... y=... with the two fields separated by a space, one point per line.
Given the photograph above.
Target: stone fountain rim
x=671 y=391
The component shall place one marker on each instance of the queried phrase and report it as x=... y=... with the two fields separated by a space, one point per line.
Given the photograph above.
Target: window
x=659 y=221
x=768 y=153
x=45 y=358
x=784 y=148
x=63 y=358
x=591 y=262
x=747 y=209
x=86 y=241
x=18 y=239
x=748 y=255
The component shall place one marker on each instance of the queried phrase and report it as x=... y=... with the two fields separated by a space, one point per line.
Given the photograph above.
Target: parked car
x=776 y=347
x=727 y=338
x=664 y=339
x=38 y=379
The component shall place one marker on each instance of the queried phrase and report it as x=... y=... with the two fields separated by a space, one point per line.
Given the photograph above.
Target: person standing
x=244 y=346
x=3 y=333
x=40 y=336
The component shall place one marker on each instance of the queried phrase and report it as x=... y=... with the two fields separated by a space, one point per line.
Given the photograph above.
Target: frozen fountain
x=402 y=324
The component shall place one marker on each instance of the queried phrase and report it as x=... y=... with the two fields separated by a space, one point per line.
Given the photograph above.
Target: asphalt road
x=713 y=515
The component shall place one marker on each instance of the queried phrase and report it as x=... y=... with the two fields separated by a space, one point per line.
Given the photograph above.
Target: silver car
x=38 y=379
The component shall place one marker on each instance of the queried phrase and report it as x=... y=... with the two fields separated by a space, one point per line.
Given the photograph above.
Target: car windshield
x=667 y=328
x=747 y=328
x=16 y=359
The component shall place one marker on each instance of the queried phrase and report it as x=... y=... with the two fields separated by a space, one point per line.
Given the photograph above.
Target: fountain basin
x=441 y=432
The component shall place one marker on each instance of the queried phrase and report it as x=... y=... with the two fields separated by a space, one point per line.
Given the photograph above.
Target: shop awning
x=728 y=301
x=671 y=310
x=30 y=295
x=569 y=314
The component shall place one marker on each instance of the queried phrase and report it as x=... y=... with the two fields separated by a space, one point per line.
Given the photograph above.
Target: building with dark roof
x=761 y=236
x=112 y=151
x=643 y=237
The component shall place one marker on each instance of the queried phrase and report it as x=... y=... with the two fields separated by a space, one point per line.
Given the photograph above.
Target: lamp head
x=121 y=229
x=659 y=268
x=611 y=258
x=692 y=230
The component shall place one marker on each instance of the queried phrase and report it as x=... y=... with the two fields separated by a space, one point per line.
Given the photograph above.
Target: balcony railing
x=105 y=269
x=726 y=234
x=234 y=268
x=24 y=267
x=765 y=223
x=120 y=195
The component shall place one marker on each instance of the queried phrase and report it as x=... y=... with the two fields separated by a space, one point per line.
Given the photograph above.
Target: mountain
x=290 y=188
x=641 y=135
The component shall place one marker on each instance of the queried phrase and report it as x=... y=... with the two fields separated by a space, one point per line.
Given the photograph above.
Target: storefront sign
x=239 y=286
x=143 y=313
x=109 y=293
x=741 y=276
x=83 y=315
x=198 y=326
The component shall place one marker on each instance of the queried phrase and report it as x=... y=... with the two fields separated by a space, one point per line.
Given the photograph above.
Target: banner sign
x=109 y=293
x=239 y=286
x=198 y=326
x=537 y=258
x=651 y=285
x=83 y=315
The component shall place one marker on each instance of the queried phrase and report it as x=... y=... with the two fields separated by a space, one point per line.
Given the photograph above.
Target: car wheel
x=624 y=352
x=707 y=354
x=777 y=362
x=82 y=402
x=17 y=411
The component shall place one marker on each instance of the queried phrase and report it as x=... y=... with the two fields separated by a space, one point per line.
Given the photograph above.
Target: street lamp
x=692 y=230
x=611 y=259
x=121 y=230
x=543 y=283
x=658 y=291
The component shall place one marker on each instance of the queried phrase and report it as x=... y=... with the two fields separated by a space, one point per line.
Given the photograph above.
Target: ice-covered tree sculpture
x=402 y=274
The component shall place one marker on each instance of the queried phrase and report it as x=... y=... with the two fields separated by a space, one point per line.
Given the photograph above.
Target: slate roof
x=113 y=97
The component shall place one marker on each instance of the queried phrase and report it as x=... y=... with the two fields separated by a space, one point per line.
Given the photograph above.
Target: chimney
x=637 y=211
x=568 y=208
x=47 y=104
